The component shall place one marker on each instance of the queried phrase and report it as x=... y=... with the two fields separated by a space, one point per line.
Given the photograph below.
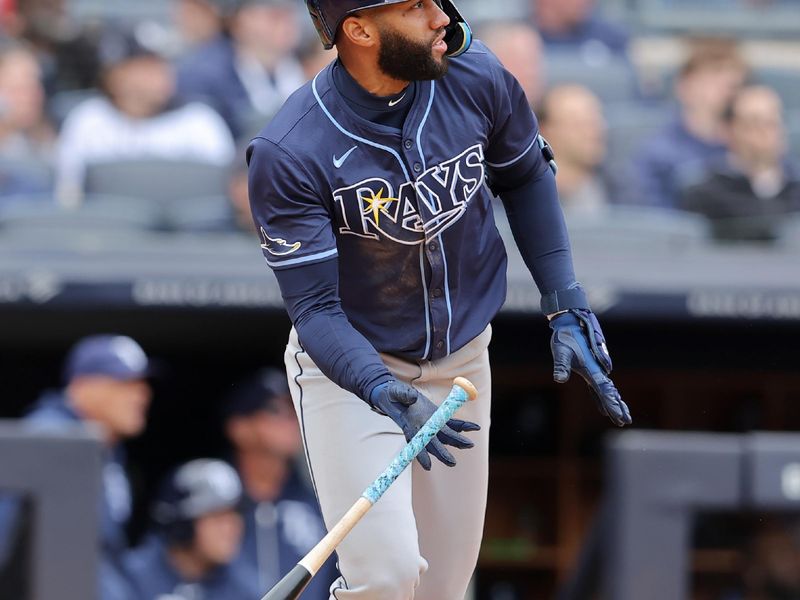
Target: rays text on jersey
x=278 y=246
x=420 y=209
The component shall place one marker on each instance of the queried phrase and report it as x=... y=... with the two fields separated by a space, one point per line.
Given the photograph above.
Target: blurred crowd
x=155 y=112
x=219 y=527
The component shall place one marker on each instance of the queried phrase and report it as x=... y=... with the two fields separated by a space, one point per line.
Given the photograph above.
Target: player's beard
x=405 y=59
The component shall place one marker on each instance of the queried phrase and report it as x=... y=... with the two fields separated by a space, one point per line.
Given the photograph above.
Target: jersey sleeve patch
x=293 y=223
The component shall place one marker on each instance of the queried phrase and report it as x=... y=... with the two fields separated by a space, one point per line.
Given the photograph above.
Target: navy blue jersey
x=422 y=266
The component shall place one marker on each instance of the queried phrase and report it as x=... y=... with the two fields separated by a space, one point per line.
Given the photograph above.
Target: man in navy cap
x=105 y=387
x=281 y=515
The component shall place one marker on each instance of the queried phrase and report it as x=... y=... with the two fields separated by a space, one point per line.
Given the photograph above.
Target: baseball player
x=372 y=191
x=107 y=387
x=198 y=532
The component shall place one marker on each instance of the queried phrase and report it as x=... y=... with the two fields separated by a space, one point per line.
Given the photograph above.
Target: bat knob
x=466 y=385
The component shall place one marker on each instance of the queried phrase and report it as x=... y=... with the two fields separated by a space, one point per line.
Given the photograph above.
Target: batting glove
x=578 y=345
x=411 y=410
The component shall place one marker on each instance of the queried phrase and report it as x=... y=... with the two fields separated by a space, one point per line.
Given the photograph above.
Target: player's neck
x=366 y=73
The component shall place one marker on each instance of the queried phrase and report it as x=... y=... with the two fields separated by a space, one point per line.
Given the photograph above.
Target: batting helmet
x=329 y=14
x=195 y=489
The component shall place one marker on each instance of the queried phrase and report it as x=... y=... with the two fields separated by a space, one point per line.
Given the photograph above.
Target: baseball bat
x=293 y=584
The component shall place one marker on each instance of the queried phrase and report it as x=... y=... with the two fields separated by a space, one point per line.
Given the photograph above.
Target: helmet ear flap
x=459 y=39
x=459 y=34
x=320 y=24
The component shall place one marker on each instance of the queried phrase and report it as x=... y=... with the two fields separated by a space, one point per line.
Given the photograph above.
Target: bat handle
x=462 y=391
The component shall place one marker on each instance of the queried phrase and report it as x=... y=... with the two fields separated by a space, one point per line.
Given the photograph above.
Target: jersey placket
x=437 y=303
x=437 y=300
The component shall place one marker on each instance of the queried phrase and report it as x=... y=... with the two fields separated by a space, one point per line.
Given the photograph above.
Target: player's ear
x=359 y=30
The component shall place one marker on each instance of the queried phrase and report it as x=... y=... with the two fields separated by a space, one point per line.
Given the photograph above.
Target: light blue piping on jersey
x=352 y=135
x=441 y=241
x=425 y=297
x=511 y=162
x=446 y=294
x=303 y=259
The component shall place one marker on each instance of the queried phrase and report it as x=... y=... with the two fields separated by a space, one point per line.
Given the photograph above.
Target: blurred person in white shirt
x=137 y=117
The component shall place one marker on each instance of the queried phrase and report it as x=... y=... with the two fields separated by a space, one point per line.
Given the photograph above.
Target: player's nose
x=440 y=19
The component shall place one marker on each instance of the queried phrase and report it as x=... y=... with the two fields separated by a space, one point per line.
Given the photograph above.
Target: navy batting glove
x=578 y=345
x=411 y=410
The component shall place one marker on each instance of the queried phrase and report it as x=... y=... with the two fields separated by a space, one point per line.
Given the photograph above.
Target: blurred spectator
x=137 y=118
x=313 y=57
x=26 y=137
x=66 y=49
x=571 y=119
x=197 y=537
x=106 y=387
x=519 y=49
x=576 y=25
x=248 y=73
x=706 y=83
x=25 y=132
x=282 y=517
x=747 y=193
x=198 y=21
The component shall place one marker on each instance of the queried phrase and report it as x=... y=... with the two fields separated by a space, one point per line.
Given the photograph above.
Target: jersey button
x=437 y=293
x=408 y=144
x=439 y=344
x=417 y=167
x=433 y=246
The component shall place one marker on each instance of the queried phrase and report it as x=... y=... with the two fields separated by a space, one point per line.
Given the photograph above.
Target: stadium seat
x=160 y=180
x=206 y=214
x=789 y=233
x=97 y=214
x=640 y=227
x=613 y=79
x=630 y=124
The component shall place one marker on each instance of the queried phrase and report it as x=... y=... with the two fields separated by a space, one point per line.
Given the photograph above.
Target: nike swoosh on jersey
x=396 y=102
x=338 y=162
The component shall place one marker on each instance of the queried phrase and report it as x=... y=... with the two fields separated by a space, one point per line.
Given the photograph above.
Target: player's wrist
x=376 y=388
x=558 y=302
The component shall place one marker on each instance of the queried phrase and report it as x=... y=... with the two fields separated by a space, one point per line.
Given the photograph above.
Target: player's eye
x=419 y=4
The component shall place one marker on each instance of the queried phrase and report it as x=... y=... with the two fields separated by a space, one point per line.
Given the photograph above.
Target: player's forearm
x=540 y=232
x=344 y=355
